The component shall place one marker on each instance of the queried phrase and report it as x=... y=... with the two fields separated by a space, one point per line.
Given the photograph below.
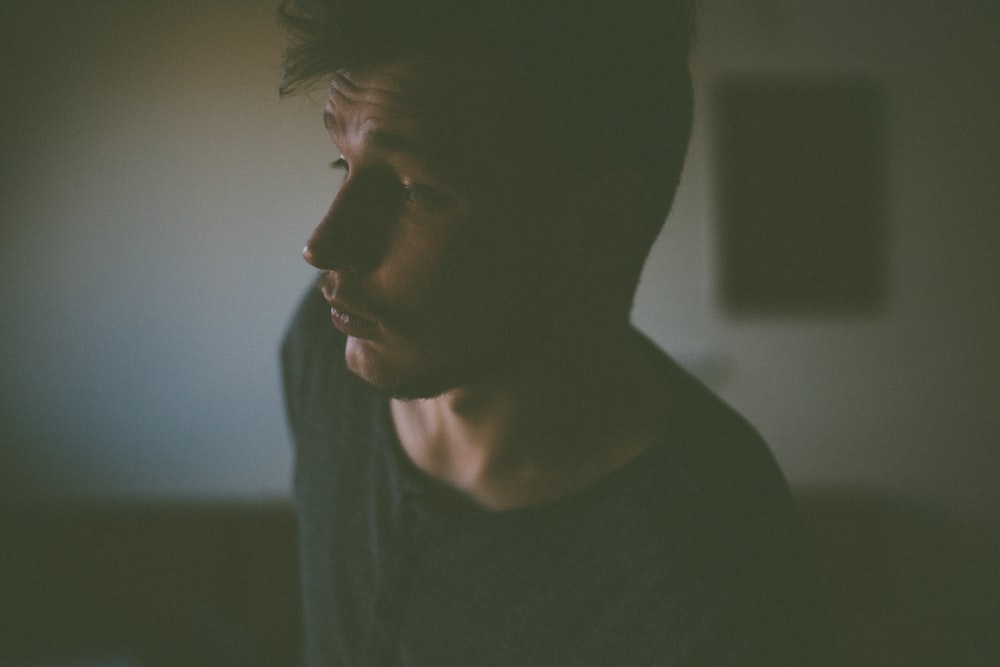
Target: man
x=492 y=466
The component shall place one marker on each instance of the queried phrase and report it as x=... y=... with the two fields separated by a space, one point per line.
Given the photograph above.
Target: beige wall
x=905 y=402
x=155 y=197
x=155 y=194
x=887 y=426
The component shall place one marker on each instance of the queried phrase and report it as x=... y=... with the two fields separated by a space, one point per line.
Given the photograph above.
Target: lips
x=347 y=315
x=350 y=322
x=350 y=319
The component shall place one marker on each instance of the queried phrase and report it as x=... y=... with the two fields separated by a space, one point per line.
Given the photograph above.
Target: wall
x=887 y=425
x=155 y=194
x=155 y=197
x=904 y=401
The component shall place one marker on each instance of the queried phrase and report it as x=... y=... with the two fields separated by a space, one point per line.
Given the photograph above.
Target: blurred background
x=154 y=197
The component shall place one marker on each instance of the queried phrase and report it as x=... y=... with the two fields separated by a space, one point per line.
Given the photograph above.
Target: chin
x=407 y=367
x=403 y=376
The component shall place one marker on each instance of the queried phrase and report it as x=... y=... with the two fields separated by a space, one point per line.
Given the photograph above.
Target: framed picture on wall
x=800 y=195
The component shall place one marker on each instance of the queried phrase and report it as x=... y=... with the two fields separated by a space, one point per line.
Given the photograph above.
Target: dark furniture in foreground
x=148 y=586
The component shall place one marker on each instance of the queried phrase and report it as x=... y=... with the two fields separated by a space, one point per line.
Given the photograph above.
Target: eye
x=409 y=193
x=421 y=196
x=418 y=194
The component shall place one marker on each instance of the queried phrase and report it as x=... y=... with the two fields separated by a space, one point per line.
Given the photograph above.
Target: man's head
x=509 y=165
x=605 y=82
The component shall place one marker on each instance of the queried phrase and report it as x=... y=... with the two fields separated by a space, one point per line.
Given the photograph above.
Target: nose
x=353 y=234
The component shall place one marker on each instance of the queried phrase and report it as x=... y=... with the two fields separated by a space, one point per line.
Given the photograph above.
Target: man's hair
x=606 y=81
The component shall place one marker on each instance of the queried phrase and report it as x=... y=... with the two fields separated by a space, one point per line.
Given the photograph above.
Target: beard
x=428 y=366
x=451 y=338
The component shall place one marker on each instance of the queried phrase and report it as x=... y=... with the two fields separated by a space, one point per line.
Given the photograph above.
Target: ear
x=615 y=215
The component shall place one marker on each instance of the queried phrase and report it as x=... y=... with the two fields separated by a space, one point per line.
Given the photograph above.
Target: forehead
x=456 y=107
x=408 y=87
x=424 y=93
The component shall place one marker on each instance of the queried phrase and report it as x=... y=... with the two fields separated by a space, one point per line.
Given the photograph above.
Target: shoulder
x=723 y=459
x=714 y=491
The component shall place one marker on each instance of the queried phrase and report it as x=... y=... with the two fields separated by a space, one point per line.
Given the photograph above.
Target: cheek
x=470 y=273
x=432 y=281
x=455 y=292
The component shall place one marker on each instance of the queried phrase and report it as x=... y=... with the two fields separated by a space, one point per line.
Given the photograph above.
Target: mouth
x=350 y=322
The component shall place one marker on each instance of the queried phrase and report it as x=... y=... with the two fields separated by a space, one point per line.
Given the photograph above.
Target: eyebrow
x=387 y=141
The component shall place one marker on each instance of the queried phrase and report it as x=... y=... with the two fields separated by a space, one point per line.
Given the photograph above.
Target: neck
x=535 y=435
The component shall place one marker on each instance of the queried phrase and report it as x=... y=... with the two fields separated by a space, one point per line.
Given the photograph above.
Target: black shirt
x=690 y=554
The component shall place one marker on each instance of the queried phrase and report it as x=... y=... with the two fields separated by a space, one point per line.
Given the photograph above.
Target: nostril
x=355 y=232
x=324 y=248
x=319 y=251
x=333 y=247
x=310 y=256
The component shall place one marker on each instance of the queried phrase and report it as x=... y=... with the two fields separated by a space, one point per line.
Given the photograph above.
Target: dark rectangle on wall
x=801 y=196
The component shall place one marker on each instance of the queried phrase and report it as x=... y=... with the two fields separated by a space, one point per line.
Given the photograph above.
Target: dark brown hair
x=608 y=80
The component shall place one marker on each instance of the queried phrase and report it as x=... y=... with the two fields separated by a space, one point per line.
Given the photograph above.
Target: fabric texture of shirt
x=689 y=554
